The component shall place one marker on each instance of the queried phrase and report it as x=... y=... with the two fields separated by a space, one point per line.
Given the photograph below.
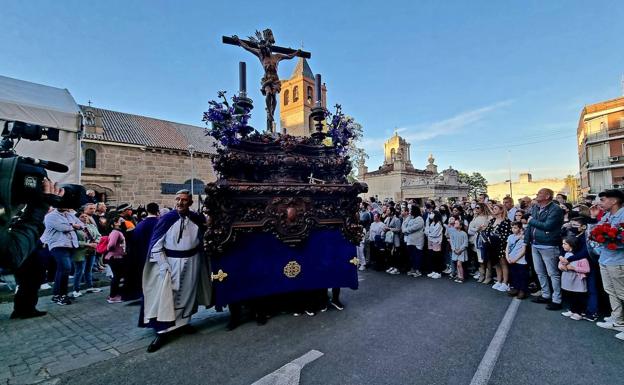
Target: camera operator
x=19 y=244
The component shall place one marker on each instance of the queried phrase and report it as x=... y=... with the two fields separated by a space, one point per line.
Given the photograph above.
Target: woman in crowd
x=377 y=244
x=114 y=258
x=413 y=228
x=88 y=238
x=498 y=230
x=434 y=232
x=393 y=240
x=478 y=224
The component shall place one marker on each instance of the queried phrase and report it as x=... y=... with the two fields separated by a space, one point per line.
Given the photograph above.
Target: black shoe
x=157 y=343
x=31 y=314
x=590 y=317
x=337 y=304
x=65 y=300
x=231 y=325
x=541 y=300
x=554 y=306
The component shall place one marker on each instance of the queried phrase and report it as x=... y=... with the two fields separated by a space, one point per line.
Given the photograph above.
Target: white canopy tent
x=49 y=107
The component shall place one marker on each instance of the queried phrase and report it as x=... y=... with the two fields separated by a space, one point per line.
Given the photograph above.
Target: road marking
x=486 y=367
x=289 y=374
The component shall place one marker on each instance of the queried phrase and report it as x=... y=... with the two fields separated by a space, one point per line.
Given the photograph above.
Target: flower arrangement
x=608 y=236
x=342 y=129
x=229 y=122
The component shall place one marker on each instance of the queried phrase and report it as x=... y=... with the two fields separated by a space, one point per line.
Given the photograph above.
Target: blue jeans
x=416 y=256
x=79 y=268
x=88 y=272
x=546 y=264
x=63 y=258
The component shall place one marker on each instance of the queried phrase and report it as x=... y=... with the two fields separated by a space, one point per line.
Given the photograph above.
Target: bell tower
x=297 y=100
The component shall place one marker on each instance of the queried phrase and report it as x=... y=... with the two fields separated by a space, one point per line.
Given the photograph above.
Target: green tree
x=476 y=182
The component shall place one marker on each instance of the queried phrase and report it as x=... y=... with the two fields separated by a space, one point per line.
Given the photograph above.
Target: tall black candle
x=319 y=95
x=242 y=77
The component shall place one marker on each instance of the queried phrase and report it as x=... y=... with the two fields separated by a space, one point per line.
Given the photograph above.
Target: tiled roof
x=120 y=127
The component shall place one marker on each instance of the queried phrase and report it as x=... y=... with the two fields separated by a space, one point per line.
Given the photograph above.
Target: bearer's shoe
x=76 y=294
x=30 y=314
x=611 y=325
x=337 y=304
x=540 y=299
x=157 y=343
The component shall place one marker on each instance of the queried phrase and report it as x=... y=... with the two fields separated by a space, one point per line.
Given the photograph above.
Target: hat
x=613 y=193
x=124 y=207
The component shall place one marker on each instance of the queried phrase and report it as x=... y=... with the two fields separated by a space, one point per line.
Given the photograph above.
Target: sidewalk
x=69 y=337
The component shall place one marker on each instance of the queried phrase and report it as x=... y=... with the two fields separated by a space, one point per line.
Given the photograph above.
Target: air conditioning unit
x=614 y=159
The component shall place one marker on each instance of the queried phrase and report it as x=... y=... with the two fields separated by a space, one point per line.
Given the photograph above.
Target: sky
x=485 y=86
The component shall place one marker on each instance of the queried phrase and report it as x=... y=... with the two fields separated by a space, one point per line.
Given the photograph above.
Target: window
x=310 y=94
x=621 y=122
x=90 y=158
x=295 y=94
x=286 y=97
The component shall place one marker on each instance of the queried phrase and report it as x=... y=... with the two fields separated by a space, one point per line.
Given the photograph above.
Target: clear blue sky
x=468 y=81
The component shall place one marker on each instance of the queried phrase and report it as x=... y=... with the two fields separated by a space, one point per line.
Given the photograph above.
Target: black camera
x=27 y=174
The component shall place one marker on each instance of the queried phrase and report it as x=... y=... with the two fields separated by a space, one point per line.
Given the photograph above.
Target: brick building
x=137 y=159
x=600 y=135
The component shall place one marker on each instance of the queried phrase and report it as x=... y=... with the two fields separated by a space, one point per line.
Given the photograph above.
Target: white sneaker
x=410 y=273
x=94 y=290
x=436 y=276
x=567 y=313
x=576 y=317
x=611 y=325
x=362 y=267
x=76 y=294
x=537 y=294
x=395 y=272
x=430 y=275
x=389 y=269
x=45 y=286
x=620 y=336
x=503 y=287
x=496 y=286
x=609 y=319
x=447 y=271
x=416 y=274
x=476 y=276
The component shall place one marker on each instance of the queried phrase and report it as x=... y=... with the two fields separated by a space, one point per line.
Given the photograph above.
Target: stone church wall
x=134 y=175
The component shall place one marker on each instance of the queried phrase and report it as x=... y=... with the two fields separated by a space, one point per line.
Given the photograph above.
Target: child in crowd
x=573 y=279
x=459 y=245
x=514 y=253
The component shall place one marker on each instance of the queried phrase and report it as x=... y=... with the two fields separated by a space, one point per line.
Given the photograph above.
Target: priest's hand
x=163 y=268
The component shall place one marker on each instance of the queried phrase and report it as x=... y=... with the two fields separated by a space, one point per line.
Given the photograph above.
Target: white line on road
x=289 y=374
x=484 y=371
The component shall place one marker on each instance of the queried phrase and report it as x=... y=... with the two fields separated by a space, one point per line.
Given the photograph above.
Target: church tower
x=397 y=152
x=297 y=101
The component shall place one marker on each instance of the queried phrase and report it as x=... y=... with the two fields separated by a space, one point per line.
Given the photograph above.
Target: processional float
x=282 y=215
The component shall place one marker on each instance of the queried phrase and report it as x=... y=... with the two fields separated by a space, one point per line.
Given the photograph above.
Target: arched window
x=310 y=95
x=392 y=154
x=286 y=97
x=295 y=94
x=90 y=158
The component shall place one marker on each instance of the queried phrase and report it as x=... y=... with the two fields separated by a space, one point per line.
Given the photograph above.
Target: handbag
x=389 y=237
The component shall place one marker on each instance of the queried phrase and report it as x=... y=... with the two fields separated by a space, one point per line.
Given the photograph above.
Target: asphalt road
x=394 y=330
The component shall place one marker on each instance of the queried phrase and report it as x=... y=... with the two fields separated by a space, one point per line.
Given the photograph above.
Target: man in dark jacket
x=18 y=238
x=543 y=233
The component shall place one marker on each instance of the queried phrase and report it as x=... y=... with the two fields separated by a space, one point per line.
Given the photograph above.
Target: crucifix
x=262 y=46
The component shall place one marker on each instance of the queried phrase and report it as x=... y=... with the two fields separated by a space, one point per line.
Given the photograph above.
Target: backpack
x=102 y=246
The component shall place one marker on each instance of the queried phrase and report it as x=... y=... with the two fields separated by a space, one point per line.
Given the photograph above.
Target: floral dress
x=502 y=230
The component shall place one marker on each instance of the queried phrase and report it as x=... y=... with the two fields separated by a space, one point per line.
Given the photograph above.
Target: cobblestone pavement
x=69 y=337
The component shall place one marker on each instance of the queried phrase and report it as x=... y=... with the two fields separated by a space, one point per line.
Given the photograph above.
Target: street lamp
x=510 y=190
x=191 y=150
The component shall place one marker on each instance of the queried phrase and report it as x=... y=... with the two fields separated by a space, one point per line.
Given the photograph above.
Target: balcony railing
x=604 y=135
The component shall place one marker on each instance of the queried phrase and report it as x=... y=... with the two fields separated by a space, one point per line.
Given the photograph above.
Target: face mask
x=525 y=225
x=473 y=205
x=431 y=216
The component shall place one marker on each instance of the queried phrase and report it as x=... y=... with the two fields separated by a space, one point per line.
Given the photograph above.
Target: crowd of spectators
x=540 y=248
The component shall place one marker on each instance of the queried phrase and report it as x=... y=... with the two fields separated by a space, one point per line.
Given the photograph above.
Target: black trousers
x=576 y=300
x=29 y=276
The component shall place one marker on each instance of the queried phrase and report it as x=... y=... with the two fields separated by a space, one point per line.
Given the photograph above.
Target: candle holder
x=318 y=114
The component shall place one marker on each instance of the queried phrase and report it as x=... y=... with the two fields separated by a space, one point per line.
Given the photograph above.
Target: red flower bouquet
x=608 y=236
